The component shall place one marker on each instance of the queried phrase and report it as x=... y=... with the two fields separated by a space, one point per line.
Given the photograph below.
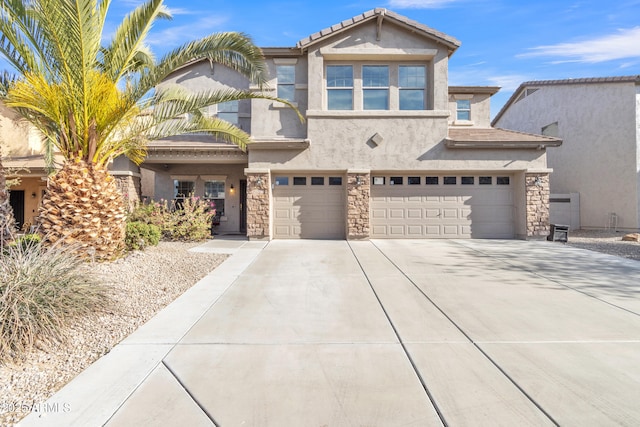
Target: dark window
x=299 y=180
x=467 y=180
x=485 y=180
x=282 y=180
x=317 y=180
x=450 y=180
x=431 y=180
x=413 y=180
x=502 y=180
x=335 y=180
x=395 y=180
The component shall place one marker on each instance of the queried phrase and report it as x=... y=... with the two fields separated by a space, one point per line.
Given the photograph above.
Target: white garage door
x=308 y=207
x=445 y=206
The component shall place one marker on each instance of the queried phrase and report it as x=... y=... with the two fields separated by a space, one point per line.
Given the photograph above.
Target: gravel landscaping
x=142 y=284
x=605 y=241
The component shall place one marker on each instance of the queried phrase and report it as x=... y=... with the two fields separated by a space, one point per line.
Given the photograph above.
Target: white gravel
x=142 y=284
x=605 y=241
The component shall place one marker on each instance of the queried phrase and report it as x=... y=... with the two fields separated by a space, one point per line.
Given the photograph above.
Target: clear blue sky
x=504 y=42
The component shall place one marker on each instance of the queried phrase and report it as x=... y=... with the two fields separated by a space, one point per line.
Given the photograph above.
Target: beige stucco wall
x=480 y=109
x=17 y=137
x=599 y=158
x=32 y=186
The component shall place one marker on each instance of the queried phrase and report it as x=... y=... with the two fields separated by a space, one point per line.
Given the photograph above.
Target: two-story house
x=599 y=121
x=388 y=149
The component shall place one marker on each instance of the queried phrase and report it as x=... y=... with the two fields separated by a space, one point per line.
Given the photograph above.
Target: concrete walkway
x=379 y=333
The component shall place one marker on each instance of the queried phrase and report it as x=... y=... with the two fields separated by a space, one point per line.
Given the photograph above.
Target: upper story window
x=340 y=87
x=411 y=87
x=228 y=111
x=375 y=87
x=286 y=75
x=463 y=109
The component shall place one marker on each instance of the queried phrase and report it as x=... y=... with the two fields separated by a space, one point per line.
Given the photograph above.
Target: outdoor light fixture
x=231 y=189
x=359 y=180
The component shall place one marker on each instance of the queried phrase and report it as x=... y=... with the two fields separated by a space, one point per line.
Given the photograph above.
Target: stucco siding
x=597 y=123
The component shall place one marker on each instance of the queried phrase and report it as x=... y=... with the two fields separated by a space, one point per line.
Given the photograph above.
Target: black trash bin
x=558 y=233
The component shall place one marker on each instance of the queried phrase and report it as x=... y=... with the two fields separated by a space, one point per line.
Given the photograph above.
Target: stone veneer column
x=258 y=205
x=537 y=187
x=358 y=195
x=130 y=188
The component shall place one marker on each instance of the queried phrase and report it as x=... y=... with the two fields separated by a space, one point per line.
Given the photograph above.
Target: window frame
x=466 y=111
x=222 y=111
x=290 y=85
x=336 y=88
x=407 y=88
x=370 y=89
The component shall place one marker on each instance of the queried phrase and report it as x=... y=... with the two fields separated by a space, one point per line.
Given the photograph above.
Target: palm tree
x=94 y=103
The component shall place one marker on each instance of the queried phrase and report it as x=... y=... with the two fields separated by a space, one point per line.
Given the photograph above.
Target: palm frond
x=127 y=48
x=233 y=50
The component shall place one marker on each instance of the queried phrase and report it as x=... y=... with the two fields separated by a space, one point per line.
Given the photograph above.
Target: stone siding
x=358 y=195
x=258 y=205
x=130 y=188
x=537 y=186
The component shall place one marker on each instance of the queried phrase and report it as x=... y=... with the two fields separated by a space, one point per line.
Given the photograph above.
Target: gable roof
x=381 y=14
x=497 y=138
x=581 y=81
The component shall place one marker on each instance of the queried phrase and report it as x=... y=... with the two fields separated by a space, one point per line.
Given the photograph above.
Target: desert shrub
x=42 y=289
x=189 y=220
x=140 y=235
x=27 y=240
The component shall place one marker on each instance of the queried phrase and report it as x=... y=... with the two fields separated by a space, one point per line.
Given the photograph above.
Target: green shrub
x=140 y=235
x=42 y=289
x=188 y=221
x=27 y=240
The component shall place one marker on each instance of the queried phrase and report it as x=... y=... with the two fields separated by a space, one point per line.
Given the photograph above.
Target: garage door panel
x=309 y=211
x=442 y=211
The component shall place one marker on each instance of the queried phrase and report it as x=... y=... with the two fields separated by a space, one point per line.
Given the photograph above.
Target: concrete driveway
x=379 y=333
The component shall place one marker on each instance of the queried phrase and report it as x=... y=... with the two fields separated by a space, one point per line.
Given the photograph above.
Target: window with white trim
x=214 y=191
x=340 y=87
x=463 y=109
x=375 y=87
x=412 y=82
x=228 y=111
x=286 y=76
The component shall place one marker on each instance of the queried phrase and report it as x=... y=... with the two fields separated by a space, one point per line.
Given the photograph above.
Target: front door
x=16 y=200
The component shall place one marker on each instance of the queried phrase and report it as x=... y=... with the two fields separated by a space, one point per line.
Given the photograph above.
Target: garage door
x=443 y=206
x=308 y=207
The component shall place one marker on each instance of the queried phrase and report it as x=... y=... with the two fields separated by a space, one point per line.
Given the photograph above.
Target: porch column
x=358 y=195
x=537 y=189
x=258 y=204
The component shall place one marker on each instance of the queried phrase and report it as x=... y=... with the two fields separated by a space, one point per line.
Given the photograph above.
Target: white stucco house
x=598 y=120
x=388 y=149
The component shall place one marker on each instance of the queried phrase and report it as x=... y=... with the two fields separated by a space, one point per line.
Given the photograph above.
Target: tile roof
x=471 y=137
x=449 y=41
x=579 y=81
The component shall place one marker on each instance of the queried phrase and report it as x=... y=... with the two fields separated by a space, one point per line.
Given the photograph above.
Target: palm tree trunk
x=82 y=206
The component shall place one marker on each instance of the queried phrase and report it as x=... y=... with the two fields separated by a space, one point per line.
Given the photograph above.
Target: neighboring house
x=388 y=149
x=599 y=121
x=22 y=156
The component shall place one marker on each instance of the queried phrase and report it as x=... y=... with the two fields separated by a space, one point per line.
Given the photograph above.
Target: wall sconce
x=359 y=180
x=259 y=181
x=33 y=195
x=231 y=189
